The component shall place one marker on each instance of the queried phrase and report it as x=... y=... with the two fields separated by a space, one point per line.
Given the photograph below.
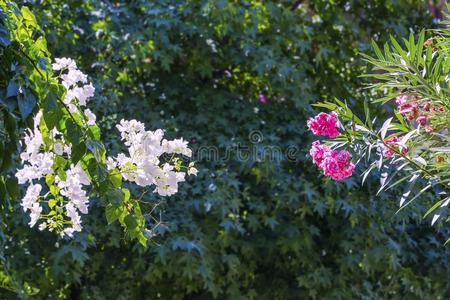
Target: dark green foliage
x=244 y=228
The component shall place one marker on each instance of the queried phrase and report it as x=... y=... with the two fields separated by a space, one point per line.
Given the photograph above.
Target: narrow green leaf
x=436 y=205
x=377 y=50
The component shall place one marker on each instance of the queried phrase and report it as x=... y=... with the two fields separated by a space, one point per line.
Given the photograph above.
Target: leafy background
x=243 y=229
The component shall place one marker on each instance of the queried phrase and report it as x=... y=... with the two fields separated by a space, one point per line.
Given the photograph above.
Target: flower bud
x=440 y=158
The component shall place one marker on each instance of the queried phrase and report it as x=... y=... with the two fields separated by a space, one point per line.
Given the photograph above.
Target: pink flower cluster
x=408 y=106
x=387 y=152
x=324 y=124
x=393 y=142
x=411 y=108
x=334 y=163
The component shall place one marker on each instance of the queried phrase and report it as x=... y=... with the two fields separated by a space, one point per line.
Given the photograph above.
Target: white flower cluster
x=71 y=188
x=36 y=165
x=63 y=194
x=78 y=89
x=144 y=165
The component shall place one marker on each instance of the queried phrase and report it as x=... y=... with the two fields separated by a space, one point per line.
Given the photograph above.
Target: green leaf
x=113 y=212
x=436 y=205
x=12 y=89
x=28 y=15
x=74 y=132
x=94 y=132
x=52 y=117
x=385 y=128
x=116 y=178
x=60 y=162
x=115 y=196
x=377 y=50
x=126 y=194
x=420 y=43
x=411 y=47
x=78 y=151
x=26 y=103
x=398 y=48
x=51 y=101
x=415 y=197
x=51 y=203
x=4 y=37
x=10 y=123
x=49 y=179
x=97 y=149
x=13 y=187
x=3 y=192
x=447 y=241
x=62 y=174
x=130 y=223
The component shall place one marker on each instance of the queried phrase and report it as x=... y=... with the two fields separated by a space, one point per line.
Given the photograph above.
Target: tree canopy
x=237 y=79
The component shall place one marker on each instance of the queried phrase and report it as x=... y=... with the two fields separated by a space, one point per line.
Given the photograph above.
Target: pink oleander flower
x=318 y=152
x=401 y=99
x=408 y=109
x=422 y=120
x=387 y=152
x=337 y=164
x=408 y=106
x=324 y=124
x=262 y=99
x=393 y=141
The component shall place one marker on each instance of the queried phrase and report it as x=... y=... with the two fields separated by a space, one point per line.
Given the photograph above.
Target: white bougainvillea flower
x=178 y=146
x=31 y=196
x=64 y=63
x=37 y=163
x=149 y=161
x=143 y=164
x=91 y=118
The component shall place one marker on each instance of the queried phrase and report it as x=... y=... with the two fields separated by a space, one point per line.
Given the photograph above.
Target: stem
x=31 y=61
